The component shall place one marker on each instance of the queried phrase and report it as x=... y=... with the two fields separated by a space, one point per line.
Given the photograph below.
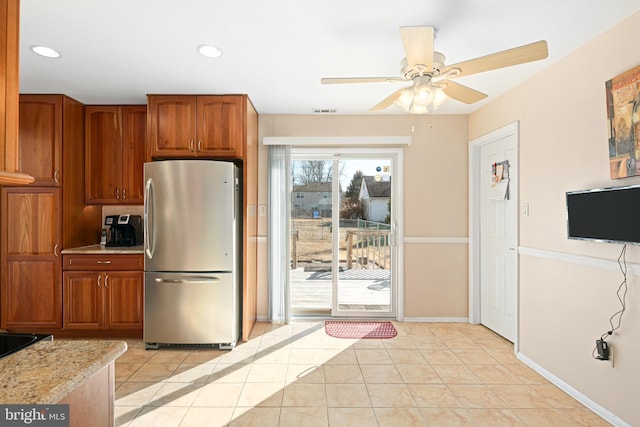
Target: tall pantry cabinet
x=51 y=135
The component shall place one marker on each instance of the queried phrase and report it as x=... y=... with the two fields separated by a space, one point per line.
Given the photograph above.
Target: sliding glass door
x=342 y=253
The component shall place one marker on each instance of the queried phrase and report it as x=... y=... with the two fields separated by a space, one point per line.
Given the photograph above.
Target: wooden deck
x=359 y=290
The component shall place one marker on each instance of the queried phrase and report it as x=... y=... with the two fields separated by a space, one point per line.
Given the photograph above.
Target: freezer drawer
x=191 y=308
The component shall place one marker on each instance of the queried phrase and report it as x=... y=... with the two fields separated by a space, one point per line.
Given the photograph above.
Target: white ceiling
x=276 y=51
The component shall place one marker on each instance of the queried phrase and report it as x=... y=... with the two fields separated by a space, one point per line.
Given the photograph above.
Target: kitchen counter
x=97 y=249
x=48 y=371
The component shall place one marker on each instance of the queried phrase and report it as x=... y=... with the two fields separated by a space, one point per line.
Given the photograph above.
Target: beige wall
x=435 y=195
x=564 y=307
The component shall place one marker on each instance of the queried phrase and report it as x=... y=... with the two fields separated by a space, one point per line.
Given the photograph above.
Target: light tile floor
x=431 y=374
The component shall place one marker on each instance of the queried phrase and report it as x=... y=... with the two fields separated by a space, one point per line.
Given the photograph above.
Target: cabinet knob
x=56 y=176
x=191 y=145
x=55 y=249
x=117 y=193
x=106 y=281
x=124 y=193
x=200 y=146
x=99 y=281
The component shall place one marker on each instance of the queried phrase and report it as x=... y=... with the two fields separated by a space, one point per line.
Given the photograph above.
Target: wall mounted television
x=605 y=214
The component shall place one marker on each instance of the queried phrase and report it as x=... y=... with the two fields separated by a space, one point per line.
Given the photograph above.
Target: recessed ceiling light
x=46 y=51
x=209 y=51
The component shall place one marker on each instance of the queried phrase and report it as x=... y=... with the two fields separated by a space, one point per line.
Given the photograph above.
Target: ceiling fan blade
x=418 y=45
x=388 y=101
x=336 y=80
x=461 y=93
x=506 y=58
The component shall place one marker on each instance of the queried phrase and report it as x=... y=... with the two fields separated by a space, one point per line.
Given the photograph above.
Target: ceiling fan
x=430 y=77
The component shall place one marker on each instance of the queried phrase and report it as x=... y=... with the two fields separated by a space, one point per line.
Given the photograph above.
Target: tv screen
x=607 y=214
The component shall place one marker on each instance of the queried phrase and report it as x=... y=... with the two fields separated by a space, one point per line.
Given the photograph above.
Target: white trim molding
x=319 y=141
x=461 y=240
x=584 y=260
x=562 y=385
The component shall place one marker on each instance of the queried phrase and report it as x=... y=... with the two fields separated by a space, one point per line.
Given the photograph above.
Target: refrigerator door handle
x=193 y=279
x=148 y=198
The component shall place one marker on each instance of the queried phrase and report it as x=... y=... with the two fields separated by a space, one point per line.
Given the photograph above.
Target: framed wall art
x=623 y=114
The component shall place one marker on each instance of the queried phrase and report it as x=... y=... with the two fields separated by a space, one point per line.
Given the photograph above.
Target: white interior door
x=498 y=249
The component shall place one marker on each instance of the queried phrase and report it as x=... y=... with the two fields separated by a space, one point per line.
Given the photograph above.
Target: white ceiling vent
x=324 y=110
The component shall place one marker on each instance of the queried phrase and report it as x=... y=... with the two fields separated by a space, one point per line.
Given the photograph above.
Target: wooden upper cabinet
x=220 y=126
x=185 y=126
x=40 y=138
x=134 y=137
x=103 y=154
x=114 y=154
x=172 y=125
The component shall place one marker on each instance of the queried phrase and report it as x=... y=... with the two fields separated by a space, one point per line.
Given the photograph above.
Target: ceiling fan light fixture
x=439 y=98
x=210 y=51
x=424 y=95
x=45 y=51
x=421 y=98
x=405 y=99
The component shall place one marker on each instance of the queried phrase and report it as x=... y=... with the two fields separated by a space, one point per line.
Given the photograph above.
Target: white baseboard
x=437 y=319
x=593 y=406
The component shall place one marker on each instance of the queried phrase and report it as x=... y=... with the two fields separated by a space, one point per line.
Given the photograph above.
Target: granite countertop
x=97 y=249
x=48 y=371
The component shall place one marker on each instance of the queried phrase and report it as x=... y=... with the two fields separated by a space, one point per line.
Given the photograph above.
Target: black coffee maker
x=125 y=230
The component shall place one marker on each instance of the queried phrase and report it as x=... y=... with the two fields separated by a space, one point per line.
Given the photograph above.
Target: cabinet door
x=220 y=126
x=83 y=296
x=32 y=215
x=124 y=299
x=134 y=124
x=30 y=267
x=172 y=126
x=41 y=138
x=32 y=295
x=103 y=154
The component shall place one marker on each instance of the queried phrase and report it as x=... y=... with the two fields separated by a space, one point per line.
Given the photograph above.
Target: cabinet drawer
x=103 y=262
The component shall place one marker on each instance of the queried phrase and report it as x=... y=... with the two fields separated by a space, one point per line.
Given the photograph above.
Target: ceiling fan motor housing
x=410 y=73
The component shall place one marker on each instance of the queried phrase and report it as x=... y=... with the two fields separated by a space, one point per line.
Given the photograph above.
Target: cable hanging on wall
x=601 y=350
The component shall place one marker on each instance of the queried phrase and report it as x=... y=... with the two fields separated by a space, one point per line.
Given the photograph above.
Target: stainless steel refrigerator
x=192 y=251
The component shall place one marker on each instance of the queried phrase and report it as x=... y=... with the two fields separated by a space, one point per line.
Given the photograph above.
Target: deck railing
x=368 y=249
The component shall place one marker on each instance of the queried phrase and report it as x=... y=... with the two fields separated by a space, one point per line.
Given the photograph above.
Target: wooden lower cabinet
x=32 y=295
x=102 y=299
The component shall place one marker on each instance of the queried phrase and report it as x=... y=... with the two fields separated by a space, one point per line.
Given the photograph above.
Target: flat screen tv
x=605 y=214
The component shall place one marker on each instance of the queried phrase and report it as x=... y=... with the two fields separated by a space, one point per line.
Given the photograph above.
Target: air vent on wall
x=324 y=110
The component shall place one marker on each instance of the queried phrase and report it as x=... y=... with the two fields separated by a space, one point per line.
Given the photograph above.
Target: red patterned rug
x=360 y=330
